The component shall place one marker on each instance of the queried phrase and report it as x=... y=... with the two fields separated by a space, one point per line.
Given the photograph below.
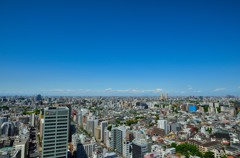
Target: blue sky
x=120 y=47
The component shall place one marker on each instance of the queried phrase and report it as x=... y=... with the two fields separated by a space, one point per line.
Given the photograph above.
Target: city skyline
x=124 y=48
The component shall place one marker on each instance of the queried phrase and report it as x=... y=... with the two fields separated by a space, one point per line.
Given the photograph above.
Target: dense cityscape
x=120 y=127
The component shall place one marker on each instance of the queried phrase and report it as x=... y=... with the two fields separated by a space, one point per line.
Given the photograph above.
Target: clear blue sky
x=120 y=47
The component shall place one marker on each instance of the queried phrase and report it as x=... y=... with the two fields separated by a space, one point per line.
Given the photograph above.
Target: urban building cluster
x=119 y=127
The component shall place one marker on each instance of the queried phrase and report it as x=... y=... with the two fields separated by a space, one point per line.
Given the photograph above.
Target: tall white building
x=106 y=138
x=104 y=125
x=162 y=124
x=92 y=125
x=85 y=150
x=33 y=120
x=55 y=132
x=126 y=149
x=21 y=145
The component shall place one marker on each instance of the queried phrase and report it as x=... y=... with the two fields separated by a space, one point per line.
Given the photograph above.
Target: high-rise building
x=162 y=124
x=55 y=132
x=126 y=148
x=69 y=123
x=38 y=97
x=33 y=120
x=2 y=120
x=7 y=129
x=104 y=125
x=98 y=133
x=161 y=96
x=139 y=148
x=117 y=136
x=106 y=138
x=91 y=126
x=86 y=149
x=79 y=117
x=21 y=145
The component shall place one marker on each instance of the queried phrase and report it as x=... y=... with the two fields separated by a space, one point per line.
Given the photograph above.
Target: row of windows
x=50 y=117
x=61 y=144
x=62 y=133
x=48 y=145
x=54 y=124
x=61 y=130
x=55 y=121
x=59 y=150
x=51 y=127
x=61 y=137
x=53 y=134
x=61 y=126
x=49 y=136
x=50 y=130
x=62 y=119
x=62 y=153
x=62 y=123
x=62 y=116
x=49 y=148
x=50 y=120
x=50 y=124
x=49 y=140
x=47 y=156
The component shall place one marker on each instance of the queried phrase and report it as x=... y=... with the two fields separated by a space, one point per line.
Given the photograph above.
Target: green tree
x=187 y=149
x=109 y=128
x=173 y=145
x=209 y=154
x=218 y=109
x=4 y=107
x=205 y=108
x=117 y=121
x=130 y=122
x=157 y=117
x=37 y=111
x=209 y=130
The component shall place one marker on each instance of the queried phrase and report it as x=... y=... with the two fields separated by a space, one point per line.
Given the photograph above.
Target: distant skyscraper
x=161 y=96
x=38 y=97
x=55 y=132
